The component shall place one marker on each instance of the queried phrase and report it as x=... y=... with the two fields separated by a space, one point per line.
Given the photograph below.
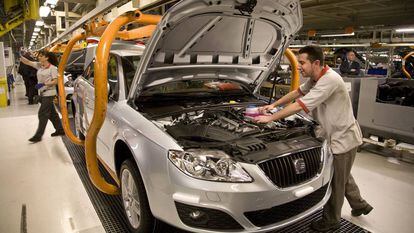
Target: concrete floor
x=42 y=177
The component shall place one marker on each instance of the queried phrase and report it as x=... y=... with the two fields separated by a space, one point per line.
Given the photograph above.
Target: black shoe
x=35 y=139
x=323 y=226
x=364 y=211
x=58 y=133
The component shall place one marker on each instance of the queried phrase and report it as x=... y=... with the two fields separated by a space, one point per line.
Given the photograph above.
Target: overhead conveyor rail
x=103 y=8
x=111 y=31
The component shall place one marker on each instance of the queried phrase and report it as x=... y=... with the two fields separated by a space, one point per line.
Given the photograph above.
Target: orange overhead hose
x=61 y=88
x=101 y=94
x=55 y=48
x=142 y=32
x=294 y=83
x=403 y=65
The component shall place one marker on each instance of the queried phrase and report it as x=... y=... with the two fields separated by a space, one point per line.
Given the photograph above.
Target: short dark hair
x=51 y=57
x=351 y=51
x=314 y=53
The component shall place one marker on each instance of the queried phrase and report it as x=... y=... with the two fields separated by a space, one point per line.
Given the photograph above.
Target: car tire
x=134 y=199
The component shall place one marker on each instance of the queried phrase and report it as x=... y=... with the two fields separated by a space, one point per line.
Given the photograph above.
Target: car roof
x=121 y=48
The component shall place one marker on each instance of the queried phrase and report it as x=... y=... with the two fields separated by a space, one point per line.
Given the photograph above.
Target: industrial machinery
x=15 y=12
x=386 y=110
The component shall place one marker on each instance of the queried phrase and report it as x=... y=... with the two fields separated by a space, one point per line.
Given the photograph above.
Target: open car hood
x=204 y=35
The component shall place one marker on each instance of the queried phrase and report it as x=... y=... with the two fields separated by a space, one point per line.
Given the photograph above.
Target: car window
x=129 y=66
x=113 y=92
x=88 y=73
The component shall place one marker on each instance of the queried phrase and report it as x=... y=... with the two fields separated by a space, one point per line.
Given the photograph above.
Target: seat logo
x=299 y=165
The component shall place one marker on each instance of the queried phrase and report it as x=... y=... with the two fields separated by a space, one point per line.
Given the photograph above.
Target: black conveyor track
x=110 y=211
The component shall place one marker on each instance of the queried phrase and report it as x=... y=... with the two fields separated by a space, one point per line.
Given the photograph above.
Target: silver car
x=180 y=138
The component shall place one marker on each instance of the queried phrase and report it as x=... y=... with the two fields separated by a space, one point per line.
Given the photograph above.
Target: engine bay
x=228 y=128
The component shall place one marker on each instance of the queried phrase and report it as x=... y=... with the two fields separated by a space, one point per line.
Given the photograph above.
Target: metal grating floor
x=110 y=211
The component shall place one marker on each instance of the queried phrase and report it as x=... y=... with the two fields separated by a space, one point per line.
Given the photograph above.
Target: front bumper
x=260 y=206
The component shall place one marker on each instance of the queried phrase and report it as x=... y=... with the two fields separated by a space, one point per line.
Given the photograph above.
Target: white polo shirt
x=328 y=101
x=46 y=74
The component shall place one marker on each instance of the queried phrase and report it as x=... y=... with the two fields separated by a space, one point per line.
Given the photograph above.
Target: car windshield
x=200 y=81
x=196 y=88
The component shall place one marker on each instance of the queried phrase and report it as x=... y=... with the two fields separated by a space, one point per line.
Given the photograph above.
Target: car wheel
x=134 y=199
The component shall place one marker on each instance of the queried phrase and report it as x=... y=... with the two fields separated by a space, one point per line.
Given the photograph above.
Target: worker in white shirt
x=325 y=97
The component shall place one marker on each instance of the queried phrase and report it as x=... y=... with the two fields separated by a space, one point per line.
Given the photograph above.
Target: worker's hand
x=265 y=109
x=39 y=85
x=263 y=119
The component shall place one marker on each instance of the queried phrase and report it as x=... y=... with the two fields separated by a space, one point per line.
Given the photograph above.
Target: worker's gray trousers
x=47 y=112
x=343 y=184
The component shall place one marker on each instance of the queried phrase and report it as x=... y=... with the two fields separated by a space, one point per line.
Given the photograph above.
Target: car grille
x=279 y=213
x=282 y=172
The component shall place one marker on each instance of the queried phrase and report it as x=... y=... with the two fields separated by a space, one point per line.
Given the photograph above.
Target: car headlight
x=213 y=165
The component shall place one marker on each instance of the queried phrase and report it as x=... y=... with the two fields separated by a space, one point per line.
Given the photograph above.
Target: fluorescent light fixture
x=44 y=11
x=52 y=2
x=336 y=35
x=36 y=29
x=40 y=23
x=405 y=30
x=334 y=45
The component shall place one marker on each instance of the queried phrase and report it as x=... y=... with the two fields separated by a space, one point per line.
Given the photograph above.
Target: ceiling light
x=44 y=11
x=405 y=30
x=336 y=35
x=36 y=29
x=52 y=2
x=40 y=23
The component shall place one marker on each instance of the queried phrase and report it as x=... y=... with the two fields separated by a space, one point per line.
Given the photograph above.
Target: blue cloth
x=39 y=85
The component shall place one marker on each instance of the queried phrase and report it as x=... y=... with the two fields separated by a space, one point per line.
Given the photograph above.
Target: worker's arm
x=355 y=68
x=28 y=62
x=51 y=83
x=289 y=97
x=344 y=67
x=285 y=112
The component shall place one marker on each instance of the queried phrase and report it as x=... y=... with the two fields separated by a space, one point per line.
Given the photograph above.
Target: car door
x=86 y=98
x=83 y=94
x=109 y=127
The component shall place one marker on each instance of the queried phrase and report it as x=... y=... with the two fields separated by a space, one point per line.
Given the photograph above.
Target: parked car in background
x=180 y=138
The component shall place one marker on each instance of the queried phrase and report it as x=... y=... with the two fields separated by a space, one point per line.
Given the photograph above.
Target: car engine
x=229 y=129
